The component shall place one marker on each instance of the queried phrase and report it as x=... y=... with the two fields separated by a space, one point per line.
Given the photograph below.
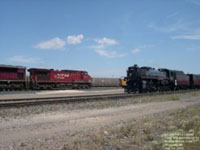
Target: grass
x=195 y=93
x=146 y=133
x=174 y=97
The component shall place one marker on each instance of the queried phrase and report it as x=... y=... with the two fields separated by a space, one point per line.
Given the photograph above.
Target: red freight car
x=53 y=79
x=182 y=81
x=194 y=81
x=12 y=77
x=197 y=80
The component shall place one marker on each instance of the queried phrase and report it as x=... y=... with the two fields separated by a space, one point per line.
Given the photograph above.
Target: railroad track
x=70 y=99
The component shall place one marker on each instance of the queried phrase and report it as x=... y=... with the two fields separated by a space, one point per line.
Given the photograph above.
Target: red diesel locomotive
x=12 y=77
x=58 y=79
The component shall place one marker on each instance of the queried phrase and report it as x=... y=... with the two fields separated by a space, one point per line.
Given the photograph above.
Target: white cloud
x=183 y=30
x=136 y=50
x=75 y=39
x=187 y=37
x=23 y=59
x=194 y=48
x=179 y=25
x=97 y=46
x=196 y=2
x=139 y=49
x=58 y=43
x=146 y=46
x=109 y=54
x=55 y=43
x=174 y=14
x=106 y=41
x=101 y=50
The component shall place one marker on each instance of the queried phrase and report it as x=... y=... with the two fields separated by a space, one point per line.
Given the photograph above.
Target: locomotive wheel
x=137 y=92
x=128 y=91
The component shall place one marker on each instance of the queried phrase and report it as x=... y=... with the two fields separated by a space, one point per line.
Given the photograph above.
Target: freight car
x=147 y=79
x=12 y=77
x=194 y=81
x=106 y=82
x=58 y=79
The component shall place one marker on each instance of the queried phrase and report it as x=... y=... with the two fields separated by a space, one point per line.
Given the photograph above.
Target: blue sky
x=104 y=37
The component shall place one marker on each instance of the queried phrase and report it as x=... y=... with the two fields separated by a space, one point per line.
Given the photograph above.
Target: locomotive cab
x=133 y=83
x=86 y=76
x=132 y=72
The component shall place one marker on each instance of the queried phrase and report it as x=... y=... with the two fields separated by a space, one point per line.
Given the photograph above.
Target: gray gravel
x=49 y=126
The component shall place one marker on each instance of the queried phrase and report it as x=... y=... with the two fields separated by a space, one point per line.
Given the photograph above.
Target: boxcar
x=182 y=81
x=53 y=79
x=194 y=81
x=12 y=77
x=106 y=82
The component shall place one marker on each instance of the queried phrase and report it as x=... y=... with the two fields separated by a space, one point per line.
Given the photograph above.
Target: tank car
x=12 y=77
x=106 y=82
x=146 y=79
x=58 y=79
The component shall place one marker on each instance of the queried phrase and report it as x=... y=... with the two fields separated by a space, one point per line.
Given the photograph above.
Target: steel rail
x=56 y=97
x=50 y=100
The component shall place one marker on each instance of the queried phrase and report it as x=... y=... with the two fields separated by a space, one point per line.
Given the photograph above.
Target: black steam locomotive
x=147 y=79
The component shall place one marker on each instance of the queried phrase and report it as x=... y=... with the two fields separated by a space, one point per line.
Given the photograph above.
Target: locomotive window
x=43 y=76
x=85 y=73
x=43 y=73
x=8 y=69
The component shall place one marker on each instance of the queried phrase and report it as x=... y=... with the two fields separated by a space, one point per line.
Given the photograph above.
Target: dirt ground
x=52 y=130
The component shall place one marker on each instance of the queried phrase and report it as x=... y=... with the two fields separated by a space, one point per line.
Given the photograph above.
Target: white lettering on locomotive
x=61 y=76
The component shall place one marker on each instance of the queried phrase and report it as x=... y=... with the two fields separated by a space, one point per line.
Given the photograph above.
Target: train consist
x=147 y=79
x=16 y=78
x=138 y=79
